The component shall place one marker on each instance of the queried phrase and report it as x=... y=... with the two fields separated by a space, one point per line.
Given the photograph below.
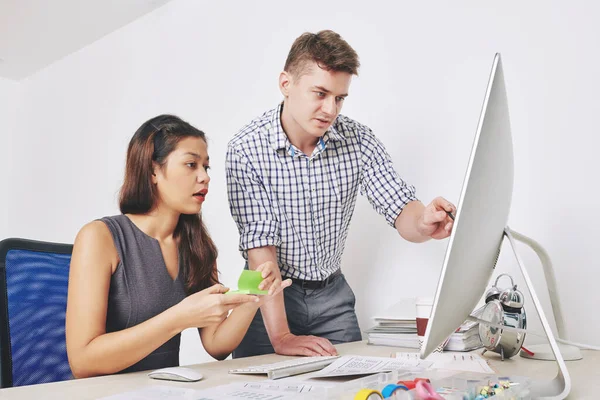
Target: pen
x=450 y=215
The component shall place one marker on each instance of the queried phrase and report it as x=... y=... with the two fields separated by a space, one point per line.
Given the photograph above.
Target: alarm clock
x=503 y=307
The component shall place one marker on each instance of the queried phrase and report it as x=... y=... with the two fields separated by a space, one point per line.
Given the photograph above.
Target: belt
x=305 y=284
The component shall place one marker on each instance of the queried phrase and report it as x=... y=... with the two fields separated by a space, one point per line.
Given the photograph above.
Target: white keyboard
x=286 y=368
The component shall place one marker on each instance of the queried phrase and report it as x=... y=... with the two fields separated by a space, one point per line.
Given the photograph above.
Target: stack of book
x=466 y=337
x=396 y=326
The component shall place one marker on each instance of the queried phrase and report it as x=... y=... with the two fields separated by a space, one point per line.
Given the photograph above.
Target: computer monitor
x=480 y=226
x=482 y=215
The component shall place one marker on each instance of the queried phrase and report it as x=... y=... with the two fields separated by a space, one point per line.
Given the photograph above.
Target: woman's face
x=183 y=180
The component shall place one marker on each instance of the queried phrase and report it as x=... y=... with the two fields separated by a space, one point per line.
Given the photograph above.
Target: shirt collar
x=280 y=141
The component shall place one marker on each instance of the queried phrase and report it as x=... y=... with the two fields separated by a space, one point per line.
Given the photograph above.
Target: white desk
x=585 y=375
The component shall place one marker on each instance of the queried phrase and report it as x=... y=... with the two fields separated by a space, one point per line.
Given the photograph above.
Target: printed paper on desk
x=156 y=393
x=263 y=390
x=359 y=365
x=288 y=386
x=452 y=361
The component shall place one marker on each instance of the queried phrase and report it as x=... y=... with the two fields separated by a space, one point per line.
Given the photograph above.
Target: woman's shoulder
x=95 y=242
x=99 y=232
x=96 y=231
x=117 y=219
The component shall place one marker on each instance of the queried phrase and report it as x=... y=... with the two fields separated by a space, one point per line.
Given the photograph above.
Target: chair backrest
x=34 y=278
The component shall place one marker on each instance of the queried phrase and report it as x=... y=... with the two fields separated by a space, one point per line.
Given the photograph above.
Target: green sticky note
x=248 y=283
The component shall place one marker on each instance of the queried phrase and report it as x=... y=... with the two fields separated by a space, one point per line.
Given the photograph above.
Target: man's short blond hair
x=326 y=48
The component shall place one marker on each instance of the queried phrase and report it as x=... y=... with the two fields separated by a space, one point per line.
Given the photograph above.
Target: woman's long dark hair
x=152 y=143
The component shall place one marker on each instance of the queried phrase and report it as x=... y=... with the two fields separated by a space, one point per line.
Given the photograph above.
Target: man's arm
x=275 y=319
x=391 y=197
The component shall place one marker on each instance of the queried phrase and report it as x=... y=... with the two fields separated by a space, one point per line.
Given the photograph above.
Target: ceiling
x=36 y=33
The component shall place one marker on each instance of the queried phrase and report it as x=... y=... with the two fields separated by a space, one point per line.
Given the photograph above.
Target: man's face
x=315 y=98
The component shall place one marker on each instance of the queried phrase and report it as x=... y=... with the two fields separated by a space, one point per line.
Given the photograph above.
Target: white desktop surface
x=585 y=375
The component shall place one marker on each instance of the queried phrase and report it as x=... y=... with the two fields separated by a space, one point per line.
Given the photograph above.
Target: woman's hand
x=272 y=278
x=210 y=306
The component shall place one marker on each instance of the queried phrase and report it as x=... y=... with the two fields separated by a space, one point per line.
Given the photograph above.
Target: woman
x=138 y=279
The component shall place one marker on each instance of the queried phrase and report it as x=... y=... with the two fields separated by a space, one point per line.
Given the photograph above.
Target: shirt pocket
x=344 y=174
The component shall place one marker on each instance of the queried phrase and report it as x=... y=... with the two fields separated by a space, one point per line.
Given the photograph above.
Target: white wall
x=423 y=77
x=9 y=103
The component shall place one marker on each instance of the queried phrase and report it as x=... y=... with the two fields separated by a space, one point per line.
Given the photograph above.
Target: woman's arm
x=221 y=339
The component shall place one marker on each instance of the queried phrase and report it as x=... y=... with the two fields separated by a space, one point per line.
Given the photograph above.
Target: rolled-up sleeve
x=385 y=190
x=249 y=204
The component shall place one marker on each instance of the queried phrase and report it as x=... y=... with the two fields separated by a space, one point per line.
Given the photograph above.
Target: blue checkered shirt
x=302 y=204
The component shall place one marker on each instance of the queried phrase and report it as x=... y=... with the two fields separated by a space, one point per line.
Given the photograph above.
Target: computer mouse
x=181 y=374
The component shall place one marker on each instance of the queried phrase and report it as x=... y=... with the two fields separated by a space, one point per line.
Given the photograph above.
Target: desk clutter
x=434 y=385
x=401 y=376
x=394 y=385
x=397 y=327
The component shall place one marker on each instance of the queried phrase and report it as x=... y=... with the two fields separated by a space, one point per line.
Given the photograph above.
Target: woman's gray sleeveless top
x=141 y=288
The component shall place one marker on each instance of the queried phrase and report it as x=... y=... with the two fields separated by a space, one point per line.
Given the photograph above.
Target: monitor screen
x=482 y=215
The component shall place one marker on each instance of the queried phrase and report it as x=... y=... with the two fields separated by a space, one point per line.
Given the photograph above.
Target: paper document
x=156 y=393
x=359 y=365
x=452 y=361
x=262 y=390
x=291 y=386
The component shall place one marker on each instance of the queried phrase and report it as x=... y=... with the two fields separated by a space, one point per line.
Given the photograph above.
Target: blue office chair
x=34 y=278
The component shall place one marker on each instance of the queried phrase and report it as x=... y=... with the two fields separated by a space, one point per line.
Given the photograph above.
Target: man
x=293 y=175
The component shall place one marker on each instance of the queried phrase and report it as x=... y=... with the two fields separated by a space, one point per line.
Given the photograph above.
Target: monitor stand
x=543 y=351
x=560 y=386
